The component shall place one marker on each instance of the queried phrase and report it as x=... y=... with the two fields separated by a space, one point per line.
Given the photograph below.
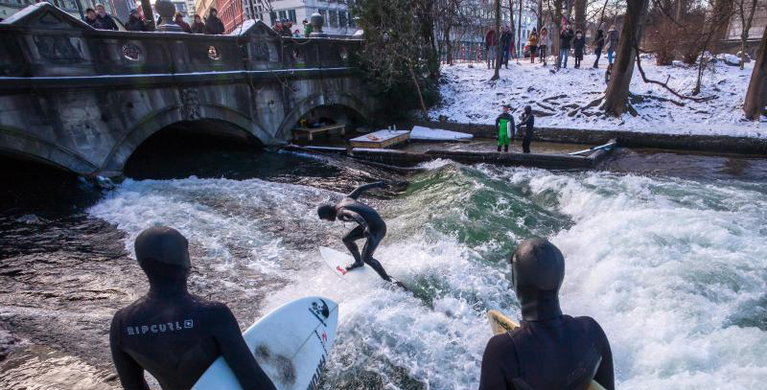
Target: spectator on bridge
x=285 y=32
x=92 y=20
x=505 y=46
x=308 y=28
x=213 y=24
x=612 y=43
x=107 y=22
x=179 y=19
x=490 y=42
x=278 y=27
x=543 y=44
x=532 y=43
x=135 y=23
x=198 y=27
x=599 y=43
x=578 y=44
x=565 y=39
x=297 y=33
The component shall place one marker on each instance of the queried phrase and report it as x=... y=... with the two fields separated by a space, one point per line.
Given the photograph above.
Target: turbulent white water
x=673 y=269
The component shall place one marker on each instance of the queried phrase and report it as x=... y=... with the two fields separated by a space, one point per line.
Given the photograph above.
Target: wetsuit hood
x=327 y=211
x=162 y=244
x=538 y=269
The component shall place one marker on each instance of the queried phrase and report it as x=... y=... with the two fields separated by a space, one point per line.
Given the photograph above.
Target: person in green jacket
x=307 y=28
x=505 y=125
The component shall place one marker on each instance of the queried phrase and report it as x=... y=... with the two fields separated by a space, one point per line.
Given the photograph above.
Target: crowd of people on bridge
x=539 y=44
x=101 y=20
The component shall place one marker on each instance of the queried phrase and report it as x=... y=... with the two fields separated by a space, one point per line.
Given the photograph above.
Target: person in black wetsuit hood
x=171 y=333
x=371 y=227
x=549 y=351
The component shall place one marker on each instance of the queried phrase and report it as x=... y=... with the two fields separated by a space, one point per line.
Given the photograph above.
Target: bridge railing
x=43 y=41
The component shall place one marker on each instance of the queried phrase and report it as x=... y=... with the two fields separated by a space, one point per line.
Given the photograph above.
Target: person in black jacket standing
x=134 y=22
x=565 y=37
x=599 y=43
x=213 y=24
x=107 y=22
x=528 y=120
x=579 y=43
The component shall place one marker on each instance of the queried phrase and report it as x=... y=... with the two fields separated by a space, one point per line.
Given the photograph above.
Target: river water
x=667 y=251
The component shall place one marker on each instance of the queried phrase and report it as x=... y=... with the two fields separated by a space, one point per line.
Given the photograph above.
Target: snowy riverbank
x=468 y=97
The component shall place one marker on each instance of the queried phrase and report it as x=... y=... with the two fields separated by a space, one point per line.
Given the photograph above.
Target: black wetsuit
x=371 y=226
x=562 y=353
x=527 y=120
x=174 y=335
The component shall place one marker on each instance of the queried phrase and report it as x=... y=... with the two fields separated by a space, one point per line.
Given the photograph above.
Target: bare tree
x=497 y=53
x=756 y=97
x=745 y=10
x=616 y=97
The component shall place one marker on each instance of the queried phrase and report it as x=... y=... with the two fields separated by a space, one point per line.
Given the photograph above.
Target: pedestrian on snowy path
x=578 y=44
x=532 y=44
x=565 y=39
x=505 y=45
x=599 y=43
x=612 y=43
x=505 y=125
x=528 y=120
x=490 y=41
x=543 y=44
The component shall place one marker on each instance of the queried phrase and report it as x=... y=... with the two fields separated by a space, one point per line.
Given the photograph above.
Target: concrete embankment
x=630 y=139
x=402 y=158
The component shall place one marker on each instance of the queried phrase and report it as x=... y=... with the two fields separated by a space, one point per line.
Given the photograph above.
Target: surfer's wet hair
x=326 y=211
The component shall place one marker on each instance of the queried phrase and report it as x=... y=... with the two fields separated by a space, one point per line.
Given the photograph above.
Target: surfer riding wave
x=370 y=226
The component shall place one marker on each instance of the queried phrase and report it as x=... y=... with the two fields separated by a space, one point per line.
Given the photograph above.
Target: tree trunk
x=511 y=25
x=420 y=95
x=146 y=8
x=496 y=75
x=580 y=15
x=756 y=97
x=746 y=21
x=520 y=47
x=617 y=94
x=558 y=30
x=448 y=46
x=539 y=22
x=721 y=13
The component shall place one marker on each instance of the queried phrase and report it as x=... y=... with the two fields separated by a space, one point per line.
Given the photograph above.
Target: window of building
x=292 y=15
x=324 y=14
x=283 y=15
x=333 y=18
x=273 y=17
x=343 y=19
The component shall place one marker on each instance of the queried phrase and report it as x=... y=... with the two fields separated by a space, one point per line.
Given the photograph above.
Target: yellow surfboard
x=499 y=323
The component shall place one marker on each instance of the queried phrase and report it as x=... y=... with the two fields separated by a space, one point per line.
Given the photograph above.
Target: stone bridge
x=85 y=99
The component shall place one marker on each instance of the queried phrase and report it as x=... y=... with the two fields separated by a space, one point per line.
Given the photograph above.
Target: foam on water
x=674 y=270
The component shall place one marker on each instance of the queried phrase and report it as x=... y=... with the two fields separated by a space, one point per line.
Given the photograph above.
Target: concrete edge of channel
x=703 y=143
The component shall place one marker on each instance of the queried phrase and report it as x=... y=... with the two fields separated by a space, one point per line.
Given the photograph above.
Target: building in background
x=231 y=14
x=202 y=7
x=338 y=20
x=117 y=8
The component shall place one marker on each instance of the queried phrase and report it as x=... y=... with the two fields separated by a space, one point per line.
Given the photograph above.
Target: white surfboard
x=291 y=344
x=338 y=262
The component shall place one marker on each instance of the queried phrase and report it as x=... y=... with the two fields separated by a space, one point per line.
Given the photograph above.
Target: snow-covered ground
x=469 y=97
x=429 y=134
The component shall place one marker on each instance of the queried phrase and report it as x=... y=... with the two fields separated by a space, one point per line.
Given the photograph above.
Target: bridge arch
x=235 y=124
x=17 y=143
x=330 y=99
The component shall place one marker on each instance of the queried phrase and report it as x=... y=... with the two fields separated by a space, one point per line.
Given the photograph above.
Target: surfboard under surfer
x=171 y=333
x=370 y=226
